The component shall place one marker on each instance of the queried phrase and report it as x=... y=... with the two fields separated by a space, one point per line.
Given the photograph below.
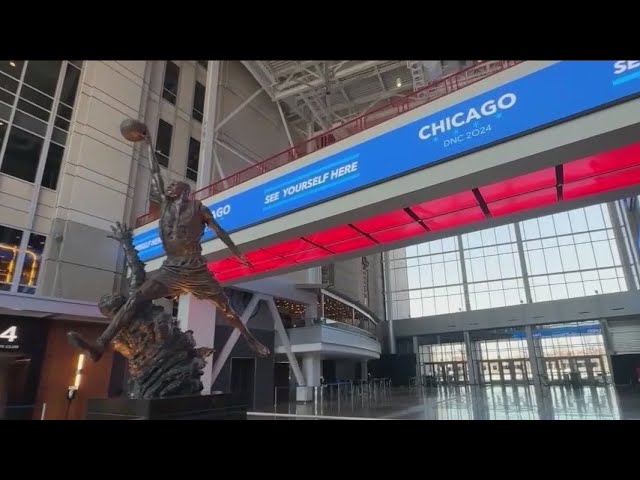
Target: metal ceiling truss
x=325 y=93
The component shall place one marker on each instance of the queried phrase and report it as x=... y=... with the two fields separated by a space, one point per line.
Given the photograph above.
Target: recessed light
x=12 y=63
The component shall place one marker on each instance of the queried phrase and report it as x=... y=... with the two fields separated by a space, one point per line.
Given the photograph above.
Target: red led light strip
x=587 y=176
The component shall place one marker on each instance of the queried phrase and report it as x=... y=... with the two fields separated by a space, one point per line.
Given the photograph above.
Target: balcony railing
x=397 y=106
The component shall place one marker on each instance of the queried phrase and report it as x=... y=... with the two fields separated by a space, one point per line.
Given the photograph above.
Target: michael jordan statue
x=182 y=222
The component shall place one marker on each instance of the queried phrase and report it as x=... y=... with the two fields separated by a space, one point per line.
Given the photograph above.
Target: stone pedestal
x=217 y=406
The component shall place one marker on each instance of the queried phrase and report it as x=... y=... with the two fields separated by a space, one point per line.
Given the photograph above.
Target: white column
x=388 y=304
x=463 y=270
x=523 y=264
x=621 y=242
x=222 y=356
x=311 y=311
x=364 y=369
x=205 y=161
x=200 y=317
x=312 y=369
x=392 y=338
x=416 y=352
x=284 y=339
x=471 y=364
x=533 y=357
x=608 y=347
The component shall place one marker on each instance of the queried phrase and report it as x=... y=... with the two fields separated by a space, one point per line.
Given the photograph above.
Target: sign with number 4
x=10 y=334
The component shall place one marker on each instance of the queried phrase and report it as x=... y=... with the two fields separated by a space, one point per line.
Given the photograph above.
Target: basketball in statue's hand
x=133 y=130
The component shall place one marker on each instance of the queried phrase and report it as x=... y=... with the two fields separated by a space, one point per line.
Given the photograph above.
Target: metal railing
x=397 y=106
x=346 y=390
x=287 y=393
x=341 y=324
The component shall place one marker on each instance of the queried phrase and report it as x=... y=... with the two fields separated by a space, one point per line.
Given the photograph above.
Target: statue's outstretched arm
x=137 y=131
x=157 y=183
x=207 y=218
x=124 y=235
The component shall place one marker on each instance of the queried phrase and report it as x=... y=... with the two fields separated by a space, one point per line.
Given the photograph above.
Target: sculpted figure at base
x=163 y=361
x=182 y=223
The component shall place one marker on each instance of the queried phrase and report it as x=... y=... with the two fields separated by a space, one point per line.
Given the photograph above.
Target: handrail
x=339 y=324
x=431 y=92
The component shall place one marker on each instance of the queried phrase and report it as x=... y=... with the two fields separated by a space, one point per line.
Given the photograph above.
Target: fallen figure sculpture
x=163 y=361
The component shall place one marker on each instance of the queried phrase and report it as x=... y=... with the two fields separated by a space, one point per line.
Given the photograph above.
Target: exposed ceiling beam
x=293 y=88
x=339 y=65
x=236 y=152
x=344 y=92
x=295 y=68
x=284 y=123
x=360 y=101
x=238 y=108
x=367 y=102
x=384 y=87
x=262 y=76
x=323 y=124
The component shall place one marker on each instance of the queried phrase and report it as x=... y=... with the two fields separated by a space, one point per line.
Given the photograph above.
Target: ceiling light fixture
x=399 y=82
x=12 y=63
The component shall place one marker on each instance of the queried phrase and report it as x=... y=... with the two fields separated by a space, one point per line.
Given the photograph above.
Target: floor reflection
x=475 y=403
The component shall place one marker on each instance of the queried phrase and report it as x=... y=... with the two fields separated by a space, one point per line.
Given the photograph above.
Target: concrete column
x=543 y=401
x=608 y=346
x=205 y=160
x=364 y=369
x=471 y=363
x=200 y=317
x=416 y=352
x=311 y=310
x=533 y=357
x=463 y=270
x=621 y=243
x=523 y=264
x=387 y=293
x=312 y=369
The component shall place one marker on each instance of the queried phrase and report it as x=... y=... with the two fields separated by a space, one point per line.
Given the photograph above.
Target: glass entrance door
x=584 y=370
x=491 y=372
x=506 y=371
x=446 y=373
x=522 y=372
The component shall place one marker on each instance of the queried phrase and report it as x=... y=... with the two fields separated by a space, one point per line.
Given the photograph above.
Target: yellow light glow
x=11 y=267
x=79 y=366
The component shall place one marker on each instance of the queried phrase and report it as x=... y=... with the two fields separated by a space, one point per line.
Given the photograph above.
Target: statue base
x=217 y=406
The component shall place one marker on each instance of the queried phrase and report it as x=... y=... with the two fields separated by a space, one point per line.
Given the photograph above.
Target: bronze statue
x=182 y=222
x=163 y=361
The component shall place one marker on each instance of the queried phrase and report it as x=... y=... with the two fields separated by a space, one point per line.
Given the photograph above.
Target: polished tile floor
x=469 y=403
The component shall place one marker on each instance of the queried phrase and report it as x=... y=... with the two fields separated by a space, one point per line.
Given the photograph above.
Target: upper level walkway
x=533 y=136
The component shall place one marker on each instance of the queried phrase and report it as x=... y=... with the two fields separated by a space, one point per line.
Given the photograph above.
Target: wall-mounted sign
x=561 y=331
x=22 y=334
x=9 y=338
x=552 y=94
